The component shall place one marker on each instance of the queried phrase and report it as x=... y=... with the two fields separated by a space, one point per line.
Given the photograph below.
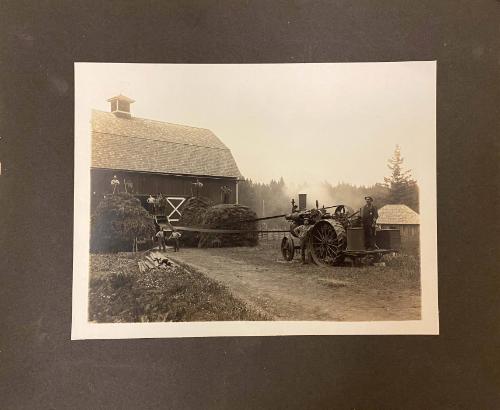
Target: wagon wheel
x=287 y=248
x=327 y=242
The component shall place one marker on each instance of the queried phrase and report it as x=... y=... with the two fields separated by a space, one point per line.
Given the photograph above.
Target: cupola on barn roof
x=121 y=98
x=123 y=142
x=120 y=105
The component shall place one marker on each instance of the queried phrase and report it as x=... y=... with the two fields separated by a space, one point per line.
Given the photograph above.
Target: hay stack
x=228 y=216
x=118 y=220
x=193 y=212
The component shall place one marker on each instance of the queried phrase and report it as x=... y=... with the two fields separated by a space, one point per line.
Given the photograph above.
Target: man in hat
x=151 y=204
x=175 y=236
x=161 y=239
x=301 y=231
x=225 y=194
x=197 y=186
x=369 y=215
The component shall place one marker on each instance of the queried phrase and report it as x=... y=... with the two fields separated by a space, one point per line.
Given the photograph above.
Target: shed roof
x=397 y=215
x=139 y=144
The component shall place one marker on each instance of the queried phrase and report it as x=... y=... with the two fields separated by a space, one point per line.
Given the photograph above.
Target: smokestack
x=120 y=106
x=302 y=202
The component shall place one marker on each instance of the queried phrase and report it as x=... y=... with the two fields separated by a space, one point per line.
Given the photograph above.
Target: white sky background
x=306 y=122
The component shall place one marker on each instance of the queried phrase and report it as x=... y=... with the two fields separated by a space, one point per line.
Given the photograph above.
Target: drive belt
x=210 y=230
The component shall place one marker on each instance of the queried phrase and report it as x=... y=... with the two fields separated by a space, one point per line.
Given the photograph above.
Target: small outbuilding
x=402 y=217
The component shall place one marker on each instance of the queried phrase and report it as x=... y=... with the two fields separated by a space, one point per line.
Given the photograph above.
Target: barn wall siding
x=145 y=184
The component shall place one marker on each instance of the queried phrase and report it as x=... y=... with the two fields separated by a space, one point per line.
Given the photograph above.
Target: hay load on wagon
x=193 y=213
x=229 y=216
x=117 y=224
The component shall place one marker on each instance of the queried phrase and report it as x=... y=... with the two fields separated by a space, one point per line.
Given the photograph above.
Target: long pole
x=280 y=216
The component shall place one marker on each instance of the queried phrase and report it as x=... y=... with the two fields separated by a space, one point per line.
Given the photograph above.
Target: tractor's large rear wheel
x=327 y=242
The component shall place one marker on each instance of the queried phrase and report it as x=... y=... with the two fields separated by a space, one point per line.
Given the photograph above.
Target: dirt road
x=291 y=291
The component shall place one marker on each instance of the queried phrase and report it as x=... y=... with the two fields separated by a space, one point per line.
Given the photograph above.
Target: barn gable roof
x=397 y=215
x=139 y=144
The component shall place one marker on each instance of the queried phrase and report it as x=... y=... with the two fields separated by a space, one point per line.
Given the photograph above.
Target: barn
x=402 y=217
x=149 y=157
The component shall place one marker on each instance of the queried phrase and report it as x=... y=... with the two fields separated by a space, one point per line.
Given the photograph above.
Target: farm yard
x=119 y=292
x=251 y=283
x=183 y=186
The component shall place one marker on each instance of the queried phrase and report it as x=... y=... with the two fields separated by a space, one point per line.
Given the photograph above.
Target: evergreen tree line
x=265 y=199
x=274 y=198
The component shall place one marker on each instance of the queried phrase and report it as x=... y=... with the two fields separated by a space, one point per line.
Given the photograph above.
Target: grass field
x=118 y=292
x=404 y=266
x=250 y=283
x=401 y=269
x=291 y=291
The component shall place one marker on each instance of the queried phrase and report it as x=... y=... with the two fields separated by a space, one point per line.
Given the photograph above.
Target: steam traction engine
x=330 y=237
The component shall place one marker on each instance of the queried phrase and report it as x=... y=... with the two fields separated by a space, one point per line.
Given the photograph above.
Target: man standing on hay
x=225 y=194
x=369 y=216
x=151 y=204
x=114 y=184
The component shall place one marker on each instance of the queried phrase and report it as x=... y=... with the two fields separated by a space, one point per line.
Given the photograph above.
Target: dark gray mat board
x=41 y=368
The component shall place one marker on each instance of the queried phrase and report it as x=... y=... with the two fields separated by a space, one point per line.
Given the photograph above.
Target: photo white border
x=82 y=329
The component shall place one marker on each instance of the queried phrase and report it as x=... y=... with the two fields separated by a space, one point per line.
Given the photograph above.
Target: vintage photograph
x=255 y=199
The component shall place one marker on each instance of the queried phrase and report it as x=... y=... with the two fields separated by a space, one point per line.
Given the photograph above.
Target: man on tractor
x=369 y=216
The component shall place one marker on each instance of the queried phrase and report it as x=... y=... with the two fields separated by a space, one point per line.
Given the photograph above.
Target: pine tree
x=265 y=199
x=402 y=187
x=247 y=194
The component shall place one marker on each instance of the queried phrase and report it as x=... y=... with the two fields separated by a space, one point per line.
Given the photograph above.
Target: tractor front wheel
x=287 y=248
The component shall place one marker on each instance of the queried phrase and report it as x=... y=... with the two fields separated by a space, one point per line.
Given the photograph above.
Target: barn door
x=173 y=206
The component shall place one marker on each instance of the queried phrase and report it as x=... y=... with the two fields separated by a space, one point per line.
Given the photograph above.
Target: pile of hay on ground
x=118 y=220
x=193 y=212
x=228 y=216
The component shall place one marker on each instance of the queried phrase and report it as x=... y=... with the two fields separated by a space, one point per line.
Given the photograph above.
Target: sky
x=307 y=123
